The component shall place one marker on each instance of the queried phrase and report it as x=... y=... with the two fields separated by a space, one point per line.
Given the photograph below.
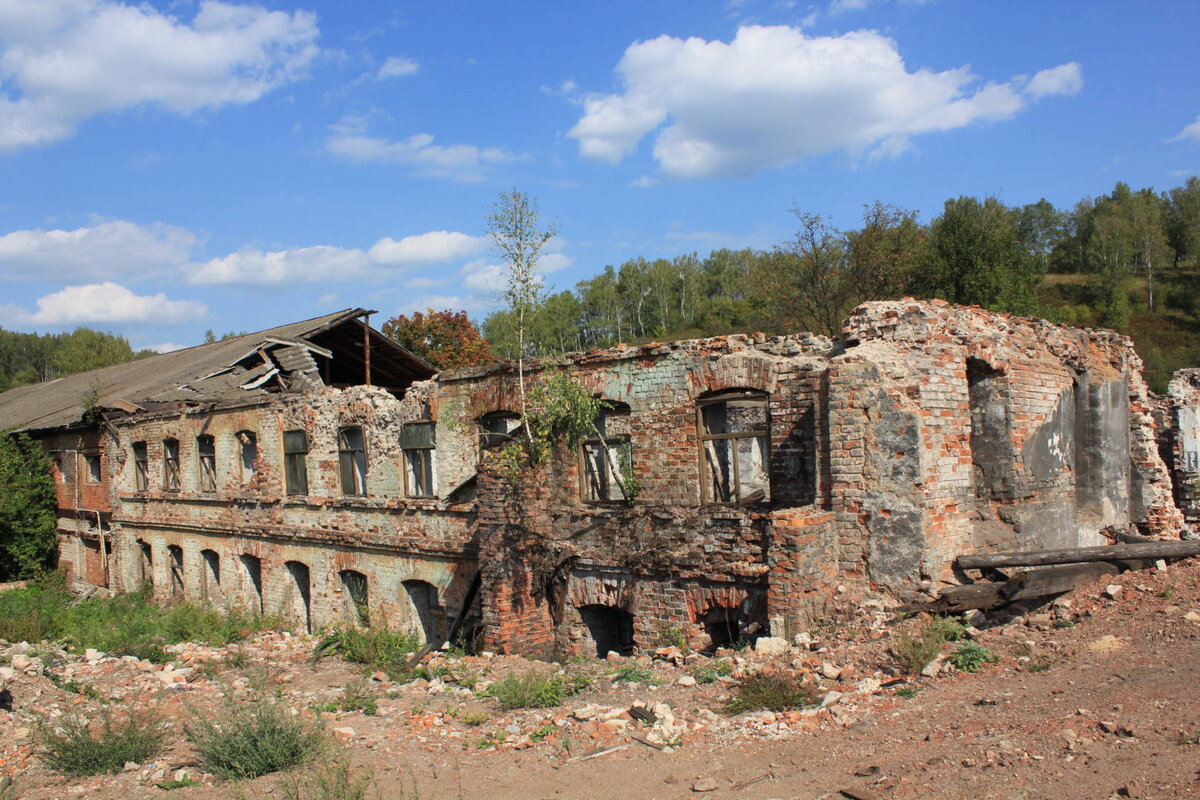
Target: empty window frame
x=206 y=452
x=606 y=462
x=210 y=584
x=147 y=563
x=171 y=464
x=734 y=431
x=496 y=428
x=175 y=563
x=417 y=443
x=248 y=455
x=352 y=461
x=252 y=579
x=91 y=462
x=295 y=458
x=141 y=467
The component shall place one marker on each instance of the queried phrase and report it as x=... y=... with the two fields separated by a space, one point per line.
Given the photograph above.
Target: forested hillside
x=1129 y=260
x=32 y=357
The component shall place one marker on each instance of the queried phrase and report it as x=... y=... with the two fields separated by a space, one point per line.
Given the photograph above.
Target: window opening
x=147 y=563
x=496 y=428
x=357 y=608
x=297 y=600
x=175 y=560
x=418 y=442
x=253 y=567
x=92 y=461
x=352 y=459
x=141 y=467
x=206 y=450
x=171 y=465
x=248 y=451
x=607 y=462
x=734 y=435
x=295 y=457
x=425 y=613
x=211 y=584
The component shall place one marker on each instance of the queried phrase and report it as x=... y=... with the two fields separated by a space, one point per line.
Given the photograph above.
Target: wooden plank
x=1054 y=580
x=1078 y=555
x=962 y=598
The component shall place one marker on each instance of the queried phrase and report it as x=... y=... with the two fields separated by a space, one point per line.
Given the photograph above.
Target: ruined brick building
x=736 y=483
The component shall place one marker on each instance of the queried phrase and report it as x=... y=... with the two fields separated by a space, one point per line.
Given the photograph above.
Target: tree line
x=32 y=357
x=1128 y=260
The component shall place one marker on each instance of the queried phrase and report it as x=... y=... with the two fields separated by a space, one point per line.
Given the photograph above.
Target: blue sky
x=172 y=166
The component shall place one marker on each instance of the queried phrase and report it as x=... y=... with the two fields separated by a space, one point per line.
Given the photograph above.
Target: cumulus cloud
x=96 y=252
x=462 y=162
x=105 y=302
x=1063 y=79
x=774 y=96
x=395 y=67
x=63 y=61
x=329 y=263
x=1190 y=132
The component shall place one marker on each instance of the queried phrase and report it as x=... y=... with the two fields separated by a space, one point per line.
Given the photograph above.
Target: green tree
x=1183 y=221
x=975 y=257
x=27 y=508
x=446 y=339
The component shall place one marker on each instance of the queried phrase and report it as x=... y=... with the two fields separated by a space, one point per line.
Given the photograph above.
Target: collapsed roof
x=338 y=349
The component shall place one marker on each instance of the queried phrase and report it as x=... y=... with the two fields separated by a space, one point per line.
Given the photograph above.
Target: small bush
x=332 y=779
x=713 y=671
x=358 y=698
x=248 y=741
x=912 y=653
x=75 y=747
x=908 y=692
x=969 y=656
x=536 y=689
x=770 y=692
x=632 y=673
x=375 y=647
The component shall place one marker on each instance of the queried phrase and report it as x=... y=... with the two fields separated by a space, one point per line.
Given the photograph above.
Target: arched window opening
x=610 y=628
x=297 y=595
x=175 y=563
x=146 y=563
x=252 y=569
x=734 y=431
x=210 y=583
x=426 y=616
x=354 y=584
x=247 y=455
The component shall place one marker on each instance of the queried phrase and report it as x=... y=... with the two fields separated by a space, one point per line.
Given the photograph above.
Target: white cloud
x=328 y=299
x=438 y=302
x=105 y=302
x=167 y=347
x=1063 y=79
x=63 y=61
x=463 y=162
x=427 y=248
x=395 y=67
x=774 y=96
x=1190 y=132
x=105 y=250
x=329 y=263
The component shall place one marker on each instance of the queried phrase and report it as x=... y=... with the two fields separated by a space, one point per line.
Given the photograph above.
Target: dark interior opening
x=611 y=629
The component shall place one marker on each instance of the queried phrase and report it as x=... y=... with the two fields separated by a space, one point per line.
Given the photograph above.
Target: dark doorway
x=611 y=629
x=297 y=600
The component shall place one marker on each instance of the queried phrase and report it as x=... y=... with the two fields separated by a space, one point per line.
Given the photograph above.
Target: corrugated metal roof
x=205 y=373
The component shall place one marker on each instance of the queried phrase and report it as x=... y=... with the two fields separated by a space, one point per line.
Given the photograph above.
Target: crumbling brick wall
x=1180 y=418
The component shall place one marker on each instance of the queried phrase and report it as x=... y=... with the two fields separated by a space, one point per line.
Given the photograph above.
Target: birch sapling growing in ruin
x=519 y=237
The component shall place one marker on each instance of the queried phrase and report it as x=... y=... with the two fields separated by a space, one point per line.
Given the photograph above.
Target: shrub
x=75 y=747
x=375 y=647
x=248 y=741
x=969 y=656
x=913 y=652
x=770 y=692
x=713 y=671
x=632 y=673
x=536 y=689
x=331 y=779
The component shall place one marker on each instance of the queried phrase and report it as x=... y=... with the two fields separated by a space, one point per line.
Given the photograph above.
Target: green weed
x=770 y=692
x=76 y=747
x=247 y=741
x=970 y=656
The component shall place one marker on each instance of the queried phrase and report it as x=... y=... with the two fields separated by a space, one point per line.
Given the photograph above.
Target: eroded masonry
x=733 y=487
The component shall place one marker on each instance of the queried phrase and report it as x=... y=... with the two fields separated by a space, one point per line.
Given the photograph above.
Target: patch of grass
x=474 y=718
x=970 y=656
x=75 y=687
x=358 y=698
x=129 y=624
x=632 y=673
x=1037 y=666
x=913 y=652
x=247 y=741
x=908 y=692
x=491 y=740
x=183 y=783
x=672 y=636
x=375 y=647
x=542 y=732
x=331 y=779
x=1192 y=737
x=948 y=629
x=712 y=671
x=76 y=747
x=1063 y=623
x=536 y=689
x=770 y=692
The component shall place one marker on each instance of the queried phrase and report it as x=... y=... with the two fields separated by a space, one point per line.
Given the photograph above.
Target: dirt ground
x=1092 y=696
